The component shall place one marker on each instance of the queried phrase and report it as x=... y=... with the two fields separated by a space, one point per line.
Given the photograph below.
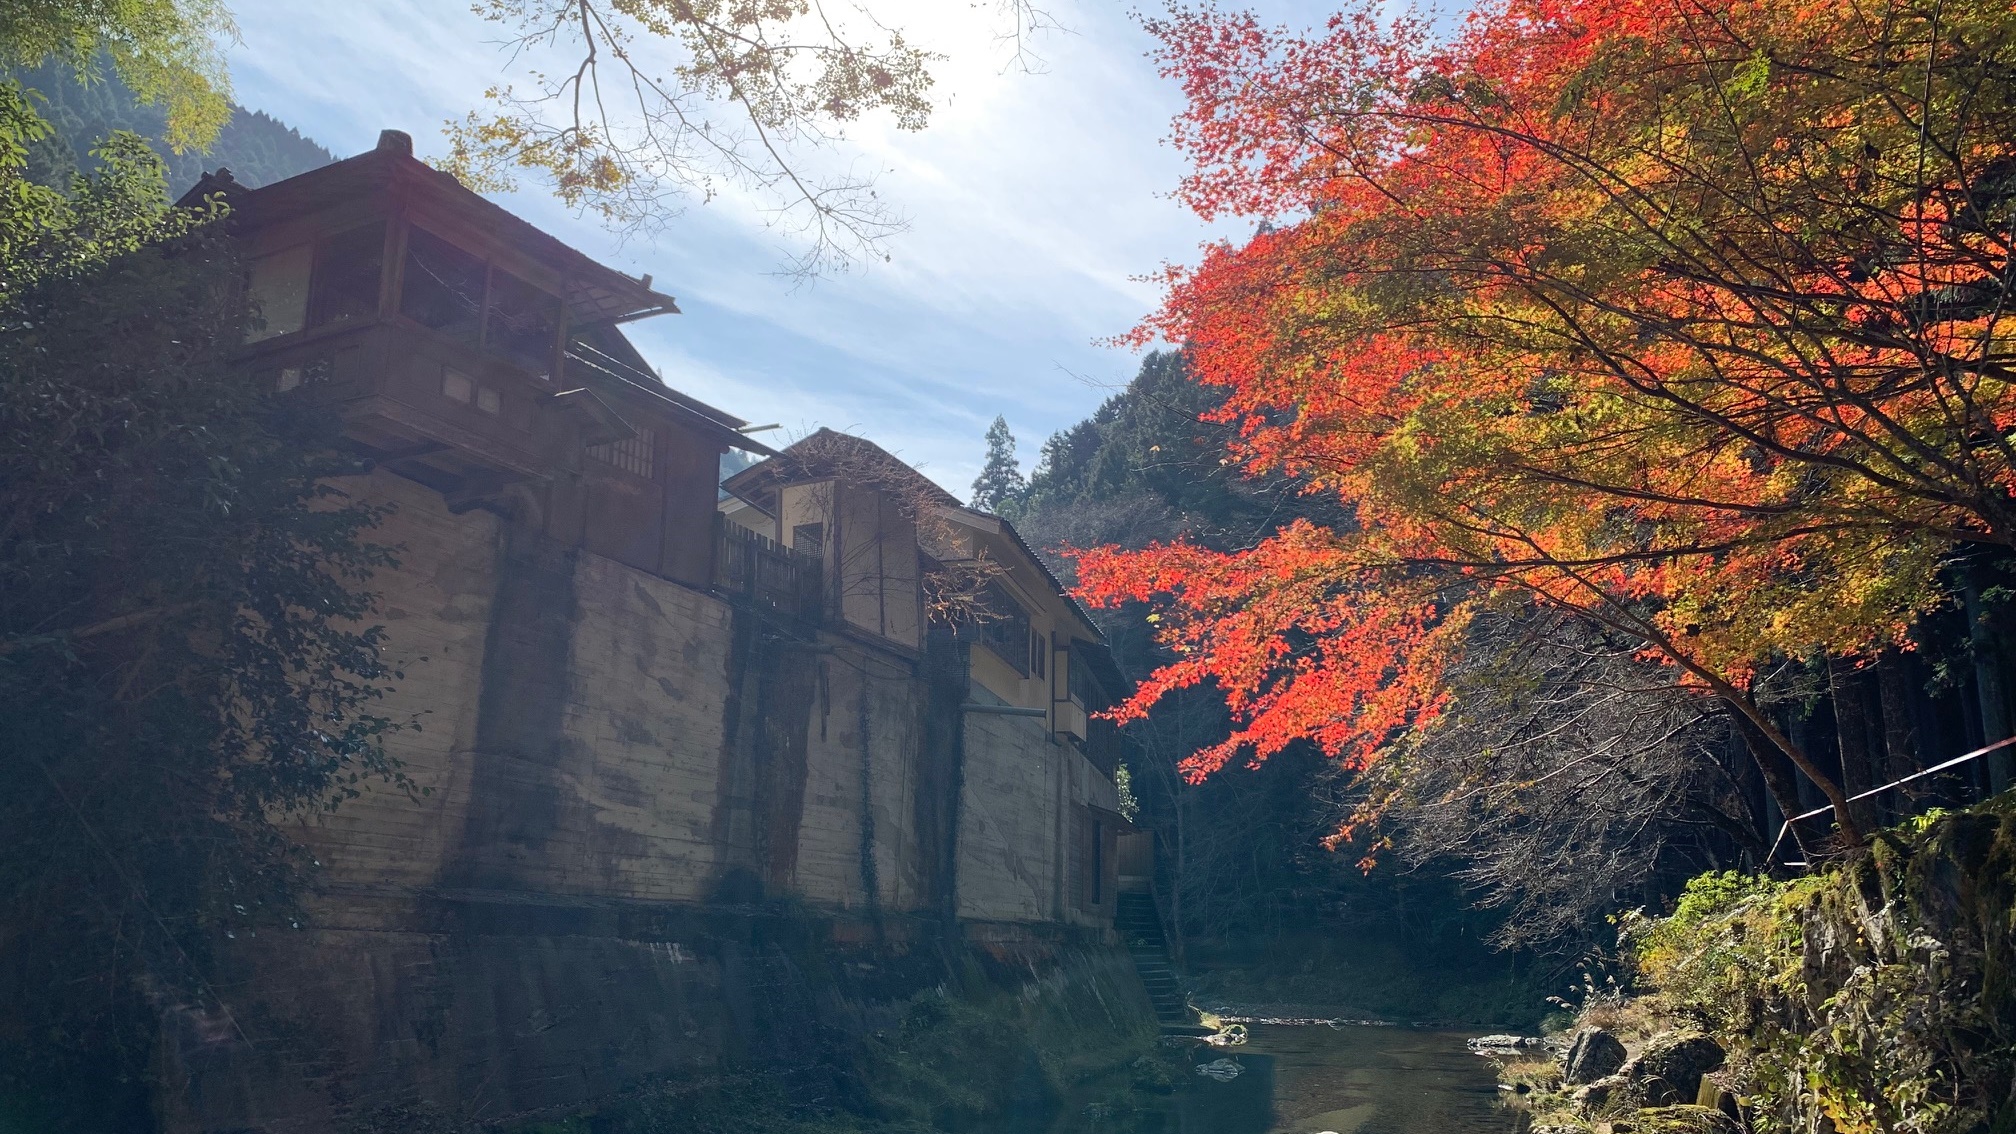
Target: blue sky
x=1034 y=199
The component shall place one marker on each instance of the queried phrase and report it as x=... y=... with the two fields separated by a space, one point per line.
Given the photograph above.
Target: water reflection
x=1348 y=1080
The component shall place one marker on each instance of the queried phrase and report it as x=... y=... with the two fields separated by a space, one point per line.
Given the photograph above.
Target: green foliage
x=1151 y=463
x=182 y=661
x=258 y=149
x=1875 y=996
x=1000 y=486
x=1123 y=784
x=169 y=53
x=48 y=234
x=1152 y=446
x=1711 y=895
x=949 y=1062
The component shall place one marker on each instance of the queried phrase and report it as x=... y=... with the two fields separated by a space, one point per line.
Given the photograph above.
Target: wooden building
x=1037 y=667
x=474 y=354
x=657 y=750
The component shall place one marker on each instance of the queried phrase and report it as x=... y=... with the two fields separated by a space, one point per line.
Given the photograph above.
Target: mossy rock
x=1883 y=986
x=1674 y=1064
x=1683 y=1120
x=1152 y=1074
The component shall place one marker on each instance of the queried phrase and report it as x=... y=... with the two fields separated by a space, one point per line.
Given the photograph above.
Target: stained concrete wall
x=588 y=729
x=1022 y=801
x=511 y=1012
x=437 y=611
x=644 y=825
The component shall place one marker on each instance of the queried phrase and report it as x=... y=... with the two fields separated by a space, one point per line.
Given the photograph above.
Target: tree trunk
x=1900 y=738
x=1853 y=728
x=1781 y=780
x=1851 y=830
x=1990 y=679
x=1738 y=701
x=1757 y=798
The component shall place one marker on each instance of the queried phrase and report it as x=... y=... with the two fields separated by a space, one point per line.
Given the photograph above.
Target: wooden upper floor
x=474 y=353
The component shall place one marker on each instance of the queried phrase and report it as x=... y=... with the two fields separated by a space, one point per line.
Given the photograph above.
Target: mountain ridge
x=258 y=148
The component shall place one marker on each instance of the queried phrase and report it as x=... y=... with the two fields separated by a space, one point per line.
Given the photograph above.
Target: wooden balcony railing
x=767 y=575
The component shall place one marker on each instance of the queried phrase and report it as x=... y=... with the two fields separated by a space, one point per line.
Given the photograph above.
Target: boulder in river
x=1503 y=1043
x=1594 y=1055
x=1223 y=1070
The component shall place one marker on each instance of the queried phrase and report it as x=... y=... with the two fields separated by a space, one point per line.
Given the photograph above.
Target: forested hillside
x=1565 y=781
x=257 y=148
x=1269 y=915
x=1609 y=502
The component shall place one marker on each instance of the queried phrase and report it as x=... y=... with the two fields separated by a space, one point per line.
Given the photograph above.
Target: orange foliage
x=1683 y=315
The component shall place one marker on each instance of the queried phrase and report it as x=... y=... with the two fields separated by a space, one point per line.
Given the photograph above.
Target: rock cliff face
x=1877 y=995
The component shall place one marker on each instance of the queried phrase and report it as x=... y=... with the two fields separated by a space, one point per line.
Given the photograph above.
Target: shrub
x=1871 y=994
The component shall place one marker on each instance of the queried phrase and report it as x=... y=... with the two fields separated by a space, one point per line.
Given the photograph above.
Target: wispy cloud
x=1033 y=198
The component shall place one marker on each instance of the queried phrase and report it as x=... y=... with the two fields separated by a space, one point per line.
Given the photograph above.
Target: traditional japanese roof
x=598 y=297
x=828 y=452
x=595 y=293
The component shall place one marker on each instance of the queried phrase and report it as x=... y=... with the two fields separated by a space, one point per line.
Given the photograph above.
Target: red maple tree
x=1684 y=316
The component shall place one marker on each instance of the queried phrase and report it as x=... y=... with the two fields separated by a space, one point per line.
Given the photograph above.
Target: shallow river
x=1351 y=1079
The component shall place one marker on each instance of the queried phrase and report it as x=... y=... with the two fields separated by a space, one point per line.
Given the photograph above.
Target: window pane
x=632 y=455
x=1006 y=628
x=278 y=290
x=809 y=539
x=524 y=323
x=347 y=267
x=1084 y=689
x=443 y=287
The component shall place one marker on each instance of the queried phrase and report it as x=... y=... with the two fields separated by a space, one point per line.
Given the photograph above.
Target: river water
x=1347 y=1079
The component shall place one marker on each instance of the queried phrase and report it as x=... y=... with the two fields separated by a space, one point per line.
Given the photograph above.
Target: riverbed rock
x=1592 y=1097
x=1223 y=1070
x=1594 y=1055
x=1653 y=1091
x=1152 y=1075
x=1669 y=1070
x=1502 y=1044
